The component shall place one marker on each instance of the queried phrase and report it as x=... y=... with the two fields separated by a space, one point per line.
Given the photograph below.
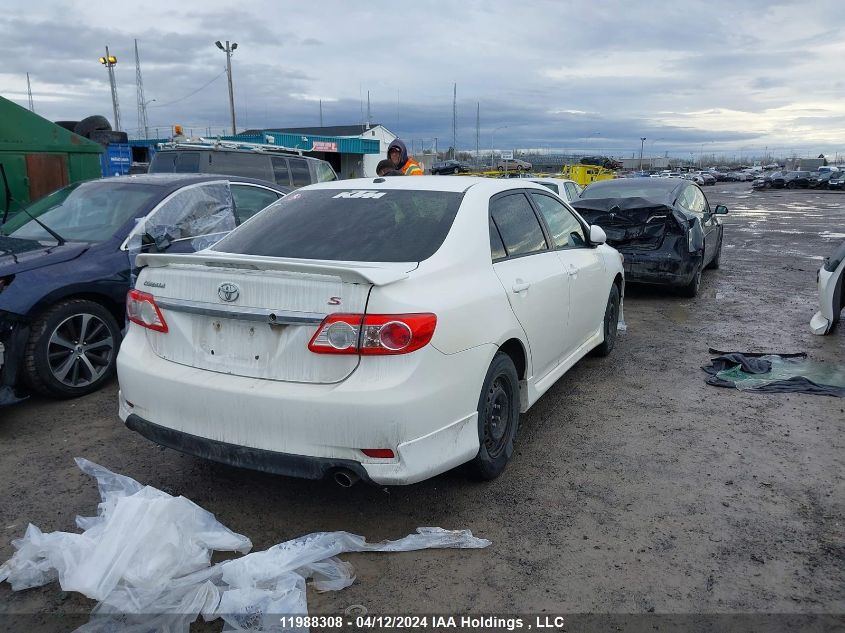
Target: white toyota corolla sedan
x=386 y=330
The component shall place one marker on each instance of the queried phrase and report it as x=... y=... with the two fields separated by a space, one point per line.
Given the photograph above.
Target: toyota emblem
x=228 y=292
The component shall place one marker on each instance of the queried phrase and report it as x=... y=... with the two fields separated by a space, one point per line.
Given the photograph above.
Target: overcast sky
x=735 y=76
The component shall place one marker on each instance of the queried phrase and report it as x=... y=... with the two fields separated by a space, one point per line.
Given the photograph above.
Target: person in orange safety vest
x=397 y=153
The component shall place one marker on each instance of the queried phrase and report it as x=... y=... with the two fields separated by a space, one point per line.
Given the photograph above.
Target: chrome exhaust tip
x=345 y=478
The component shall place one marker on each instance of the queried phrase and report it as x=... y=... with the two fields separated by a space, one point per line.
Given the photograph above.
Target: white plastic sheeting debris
x=203 y=211
x=146 y=557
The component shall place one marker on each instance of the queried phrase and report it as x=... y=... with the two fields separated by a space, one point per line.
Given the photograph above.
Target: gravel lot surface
x=637 y=488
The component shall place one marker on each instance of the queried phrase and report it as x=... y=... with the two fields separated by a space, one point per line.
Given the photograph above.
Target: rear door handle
x=521 y=286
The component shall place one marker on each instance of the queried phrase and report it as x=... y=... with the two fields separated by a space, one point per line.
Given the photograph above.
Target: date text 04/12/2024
x=424 y=622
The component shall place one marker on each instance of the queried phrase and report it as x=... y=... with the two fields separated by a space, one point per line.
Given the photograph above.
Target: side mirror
x=720 y=209
x=597 y=234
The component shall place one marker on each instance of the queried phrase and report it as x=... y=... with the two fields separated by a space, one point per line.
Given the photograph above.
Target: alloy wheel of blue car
x=81 y=350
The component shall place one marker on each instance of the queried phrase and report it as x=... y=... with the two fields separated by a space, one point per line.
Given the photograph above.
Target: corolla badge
x=228 y=292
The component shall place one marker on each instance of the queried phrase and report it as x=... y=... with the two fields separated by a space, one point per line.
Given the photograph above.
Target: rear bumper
x=422 y=406
x=660 y=267
x=242 y=456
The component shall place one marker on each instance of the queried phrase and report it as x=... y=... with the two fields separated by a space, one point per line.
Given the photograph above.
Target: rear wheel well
x=514 y=349
x=617 y=281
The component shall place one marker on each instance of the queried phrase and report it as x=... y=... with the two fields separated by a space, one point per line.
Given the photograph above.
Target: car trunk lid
x=254 y=316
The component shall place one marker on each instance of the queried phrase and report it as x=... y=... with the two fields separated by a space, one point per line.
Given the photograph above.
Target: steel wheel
x=497 y=417
x=80 y=350
x=611 y=323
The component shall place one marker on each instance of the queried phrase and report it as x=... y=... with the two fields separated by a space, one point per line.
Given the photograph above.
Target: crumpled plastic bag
x=146 y=557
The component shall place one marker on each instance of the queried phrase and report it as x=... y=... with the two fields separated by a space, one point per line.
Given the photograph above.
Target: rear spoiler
x=378 y=274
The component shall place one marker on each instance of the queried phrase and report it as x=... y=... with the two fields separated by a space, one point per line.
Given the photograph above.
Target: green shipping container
x=39 y=157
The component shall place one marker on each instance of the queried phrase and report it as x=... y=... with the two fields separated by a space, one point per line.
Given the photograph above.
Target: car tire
x=92 y=123
x=714 y=263
x=55 y=362
x=692 y=288
x=501 y=168
x=791 y=185
x=455 y=170
x=497 y=431
x=68 y=125
x=611 y=323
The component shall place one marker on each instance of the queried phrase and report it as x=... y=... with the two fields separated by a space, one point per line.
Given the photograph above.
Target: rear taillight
x=373 y=334
x=141 y=308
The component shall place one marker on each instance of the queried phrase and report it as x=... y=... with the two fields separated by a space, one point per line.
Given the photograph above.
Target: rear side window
x=550 y=187
x=349 y=225
x=299 y=172
x=249 y=200
x=517 y=224
x=240 y=164
x=178 y=162
x=280 y=170
x=572 y=190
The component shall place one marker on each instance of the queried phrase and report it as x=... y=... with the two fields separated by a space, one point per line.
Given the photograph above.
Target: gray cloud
x=721 y=73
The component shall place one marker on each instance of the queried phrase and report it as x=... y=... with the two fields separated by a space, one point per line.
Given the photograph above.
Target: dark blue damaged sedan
x=67 y=260
x=665 y=228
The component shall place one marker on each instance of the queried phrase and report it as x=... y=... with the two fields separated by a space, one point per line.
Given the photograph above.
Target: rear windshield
x=633 y=188
x=354 y=225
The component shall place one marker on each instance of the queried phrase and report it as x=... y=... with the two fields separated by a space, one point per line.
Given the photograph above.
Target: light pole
x=109 y=61
x=642 y=145
x=147 y=127
x=492 y=134
x=229 y=50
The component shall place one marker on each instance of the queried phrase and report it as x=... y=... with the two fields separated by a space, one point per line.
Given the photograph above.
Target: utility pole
x=29 y=92
x=229 y=50
x=642 y=144
x=142 y=103
x=477 y=128
x=369 y=118
x=110 y=61
x=454 y=119
x=321 y=113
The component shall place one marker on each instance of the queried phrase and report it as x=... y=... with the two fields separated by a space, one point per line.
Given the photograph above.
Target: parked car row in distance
x=800 y=180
